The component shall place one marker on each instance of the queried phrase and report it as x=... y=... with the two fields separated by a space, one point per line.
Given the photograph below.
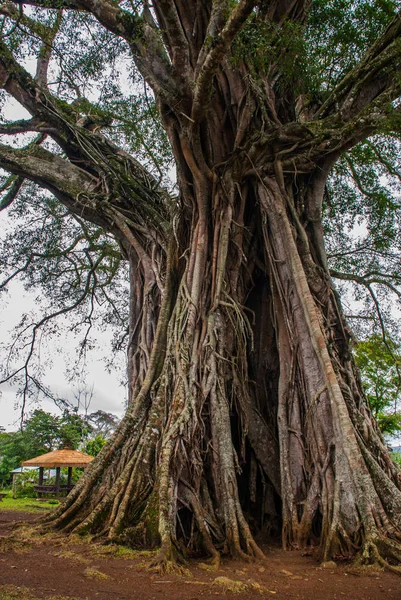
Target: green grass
x=24 y=504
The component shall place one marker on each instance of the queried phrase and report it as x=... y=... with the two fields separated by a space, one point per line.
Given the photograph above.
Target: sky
x=108 y=394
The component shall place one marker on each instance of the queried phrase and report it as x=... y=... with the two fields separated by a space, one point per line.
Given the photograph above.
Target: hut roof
x=59 y=458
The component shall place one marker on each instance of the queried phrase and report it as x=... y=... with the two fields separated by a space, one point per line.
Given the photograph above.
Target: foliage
x=24 y=484
x=94 y=445
x=380 y=363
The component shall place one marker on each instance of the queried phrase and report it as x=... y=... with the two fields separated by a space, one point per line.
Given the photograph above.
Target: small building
x=58 y=459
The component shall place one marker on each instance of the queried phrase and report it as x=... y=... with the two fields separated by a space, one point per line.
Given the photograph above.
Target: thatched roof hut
x=57 y=459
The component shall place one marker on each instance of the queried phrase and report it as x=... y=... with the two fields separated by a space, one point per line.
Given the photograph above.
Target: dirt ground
x=33 y=566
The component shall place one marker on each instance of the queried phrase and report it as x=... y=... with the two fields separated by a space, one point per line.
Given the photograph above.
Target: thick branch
x=24 y=126
x=45 y=168
x=46 y=51
x=174 y=34
x=213 y=52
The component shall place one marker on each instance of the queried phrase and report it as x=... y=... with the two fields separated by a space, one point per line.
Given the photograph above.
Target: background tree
x=12 y=452
x=95 y=444
x=379 y=362
x=244 y=397
x=102 y=423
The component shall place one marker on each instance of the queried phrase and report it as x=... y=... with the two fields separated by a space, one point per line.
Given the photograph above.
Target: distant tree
x=42 y=433
x=102 y=423
x=73 y=430
x=13 y=450
x=95 y=444
x=380 y=364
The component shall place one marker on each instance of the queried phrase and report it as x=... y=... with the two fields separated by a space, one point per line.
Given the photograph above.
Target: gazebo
x=57 y=459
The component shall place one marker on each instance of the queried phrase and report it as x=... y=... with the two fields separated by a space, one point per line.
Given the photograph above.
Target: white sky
x=108 y=394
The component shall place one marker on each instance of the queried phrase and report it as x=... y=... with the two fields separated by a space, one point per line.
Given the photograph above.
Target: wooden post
x=41 y=472
x=57 y=481
x=69 y=482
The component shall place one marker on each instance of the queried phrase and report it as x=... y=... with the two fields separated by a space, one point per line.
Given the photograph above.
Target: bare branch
x=374 y=277
x=9 y=10
x=145 y=42
x=390 y=168
x=37 y=326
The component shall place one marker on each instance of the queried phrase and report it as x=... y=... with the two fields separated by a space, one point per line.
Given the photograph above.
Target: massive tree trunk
x=246 y=407
x=246 y=413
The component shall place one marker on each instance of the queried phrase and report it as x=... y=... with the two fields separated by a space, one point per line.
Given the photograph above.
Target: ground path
x=34 y=567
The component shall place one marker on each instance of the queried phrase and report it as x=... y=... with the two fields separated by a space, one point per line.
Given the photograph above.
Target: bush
x=396 y=456
x=24 y=484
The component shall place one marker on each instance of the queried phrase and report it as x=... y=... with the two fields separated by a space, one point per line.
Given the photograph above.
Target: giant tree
x=245 y=405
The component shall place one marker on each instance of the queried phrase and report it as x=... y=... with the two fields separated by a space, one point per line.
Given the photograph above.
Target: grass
x=24 y=505
x=14 y=592
x=93 y=573
x=71 y=555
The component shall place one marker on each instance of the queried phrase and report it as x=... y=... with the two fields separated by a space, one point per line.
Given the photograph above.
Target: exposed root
x=230 y=585
x=379 y=551
x=168 y=561
x=212 y=564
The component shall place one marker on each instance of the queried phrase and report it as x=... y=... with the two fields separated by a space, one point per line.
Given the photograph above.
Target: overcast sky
x=108 y=394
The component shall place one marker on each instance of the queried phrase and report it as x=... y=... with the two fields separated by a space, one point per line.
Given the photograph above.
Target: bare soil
x=34 y=566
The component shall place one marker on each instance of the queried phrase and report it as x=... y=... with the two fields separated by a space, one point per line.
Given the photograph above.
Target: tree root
x=169 y=560
x=379 y=551
x=212 y=564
